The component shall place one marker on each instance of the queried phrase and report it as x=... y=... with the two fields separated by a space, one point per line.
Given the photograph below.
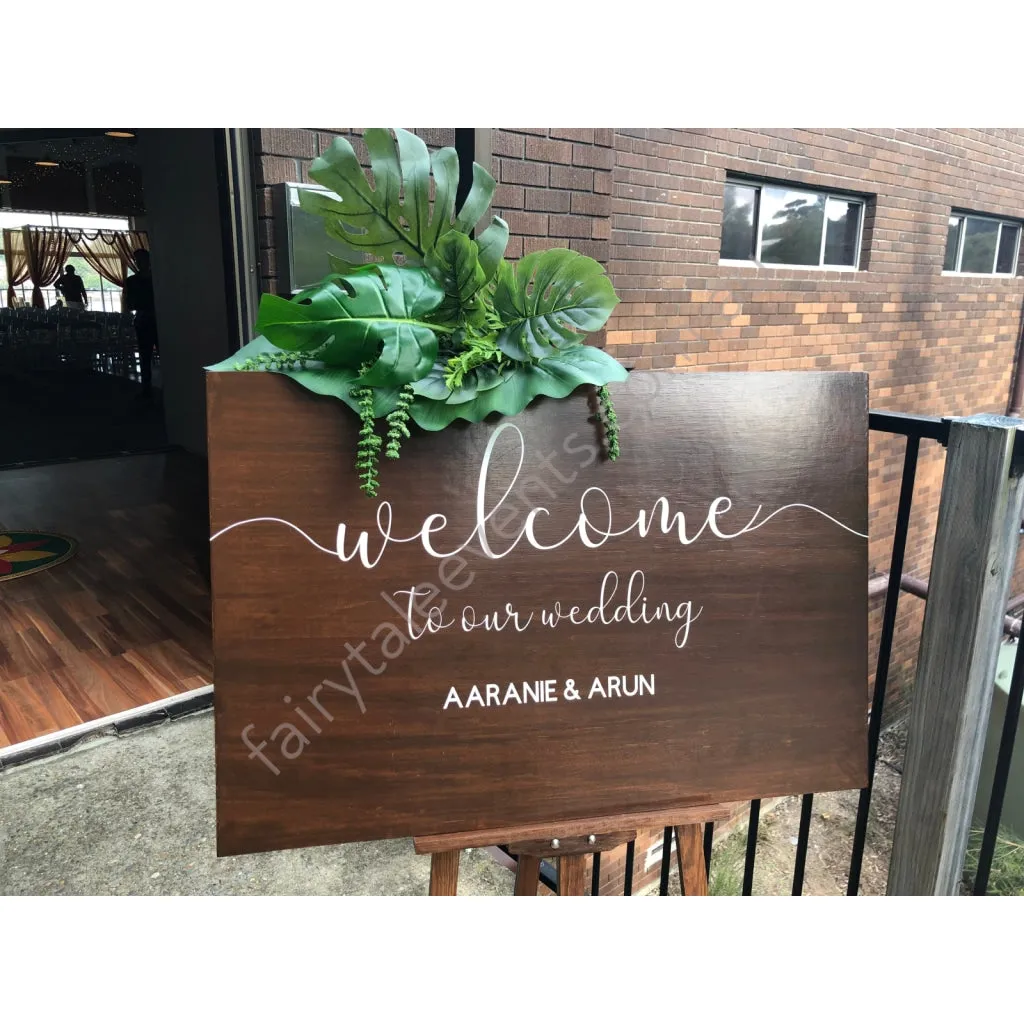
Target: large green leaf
x=394 y=216
x=455 y=263
x=556 y=376
x=259 y=346
x=548 y=300
x=370 y=315
x=476 y=202
x=492 y=244
x=337 y=382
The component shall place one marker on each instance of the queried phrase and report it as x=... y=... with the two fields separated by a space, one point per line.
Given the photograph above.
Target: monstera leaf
x=394 y=216
x=492 y=245
x=556 y=376
x=548 y=299
x=338 y=383
x=455 y=263
x=371 y=315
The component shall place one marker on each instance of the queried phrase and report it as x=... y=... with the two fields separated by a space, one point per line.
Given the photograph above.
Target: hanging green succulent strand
x=610 y=422
x=368 y=449
x=274 y=362
x=398 y=422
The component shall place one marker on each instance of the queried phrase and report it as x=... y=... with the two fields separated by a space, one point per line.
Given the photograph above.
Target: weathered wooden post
x=973 y=559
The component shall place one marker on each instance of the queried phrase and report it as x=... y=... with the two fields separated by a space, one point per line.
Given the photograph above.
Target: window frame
x=846 y=197
x=964 y=216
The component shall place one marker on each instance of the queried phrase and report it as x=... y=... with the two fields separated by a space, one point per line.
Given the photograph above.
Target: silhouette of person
x=70 y=285
x=138 y=297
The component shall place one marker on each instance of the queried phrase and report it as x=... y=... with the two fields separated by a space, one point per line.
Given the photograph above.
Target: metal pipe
x=748 y=864
x=802 y=842
x=919 y=588
x=666 y=860
x=885 y=638
x=709 y=836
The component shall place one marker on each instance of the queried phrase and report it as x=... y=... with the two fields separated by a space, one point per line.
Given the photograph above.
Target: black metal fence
x=914 y=429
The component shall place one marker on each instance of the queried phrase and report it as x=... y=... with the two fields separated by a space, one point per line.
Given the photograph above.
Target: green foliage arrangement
x=438 y=326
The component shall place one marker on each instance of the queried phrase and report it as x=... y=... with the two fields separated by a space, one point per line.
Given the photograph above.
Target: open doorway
x=72 y=214
x=104 y=592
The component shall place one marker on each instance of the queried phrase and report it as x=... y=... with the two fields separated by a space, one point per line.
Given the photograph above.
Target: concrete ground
x=135 y=816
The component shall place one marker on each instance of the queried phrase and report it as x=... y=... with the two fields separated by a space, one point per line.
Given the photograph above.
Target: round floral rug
x=27 y=551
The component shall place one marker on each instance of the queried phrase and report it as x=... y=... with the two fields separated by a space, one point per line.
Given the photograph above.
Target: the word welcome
x=594 y=526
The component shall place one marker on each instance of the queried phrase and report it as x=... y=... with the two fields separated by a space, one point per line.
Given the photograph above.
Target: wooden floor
x=126 y=621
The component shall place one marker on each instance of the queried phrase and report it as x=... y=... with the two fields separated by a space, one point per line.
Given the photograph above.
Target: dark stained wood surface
x=692 y=814
x=693 y=875
x=769 y=695
x=572 y=875
x=444 y=873
x=123 y=623
x=527 y=875
x=592 y=843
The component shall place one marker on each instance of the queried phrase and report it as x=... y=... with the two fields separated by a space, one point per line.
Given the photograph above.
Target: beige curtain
x=102 y=252
x=39 y=255
x=46 y=250
x=129 y=243
x=110 y=253
x=17 y=262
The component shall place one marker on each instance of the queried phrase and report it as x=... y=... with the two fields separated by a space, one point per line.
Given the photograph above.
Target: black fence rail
x=914 y=429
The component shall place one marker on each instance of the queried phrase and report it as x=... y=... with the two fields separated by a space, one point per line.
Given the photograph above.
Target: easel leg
x=444 y=873
x=693 y=877
x=572 y=874
x=527 y=875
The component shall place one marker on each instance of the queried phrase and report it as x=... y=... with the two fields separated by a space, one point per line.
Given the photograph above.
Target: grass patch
x=727 y=859
x=1007 y=875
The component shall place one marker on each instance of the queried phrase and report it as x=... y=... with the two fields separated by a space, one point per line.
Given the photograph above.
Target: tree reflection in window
x=739 y=222
x=792 y=227
x=979 y=252
x=981 y=245
x=842 y=226
x=782 y=226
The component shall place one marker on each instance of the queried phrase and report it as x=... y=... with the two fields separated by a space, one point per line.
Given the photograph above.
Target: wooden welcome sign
x=519 y=631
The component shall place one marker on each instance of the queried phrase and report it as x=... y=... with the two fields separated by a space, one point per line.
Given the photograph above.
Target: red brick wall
x=931 y=343
x=554 y=188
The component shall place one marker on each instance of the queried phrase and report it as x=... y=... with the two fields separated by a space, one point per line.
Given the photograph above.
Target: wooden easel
x=568 y=843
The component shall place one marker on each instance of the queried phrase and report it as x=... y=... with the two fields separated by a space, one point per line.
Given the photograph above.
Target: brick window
x=981 y=245
x=790 y=226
